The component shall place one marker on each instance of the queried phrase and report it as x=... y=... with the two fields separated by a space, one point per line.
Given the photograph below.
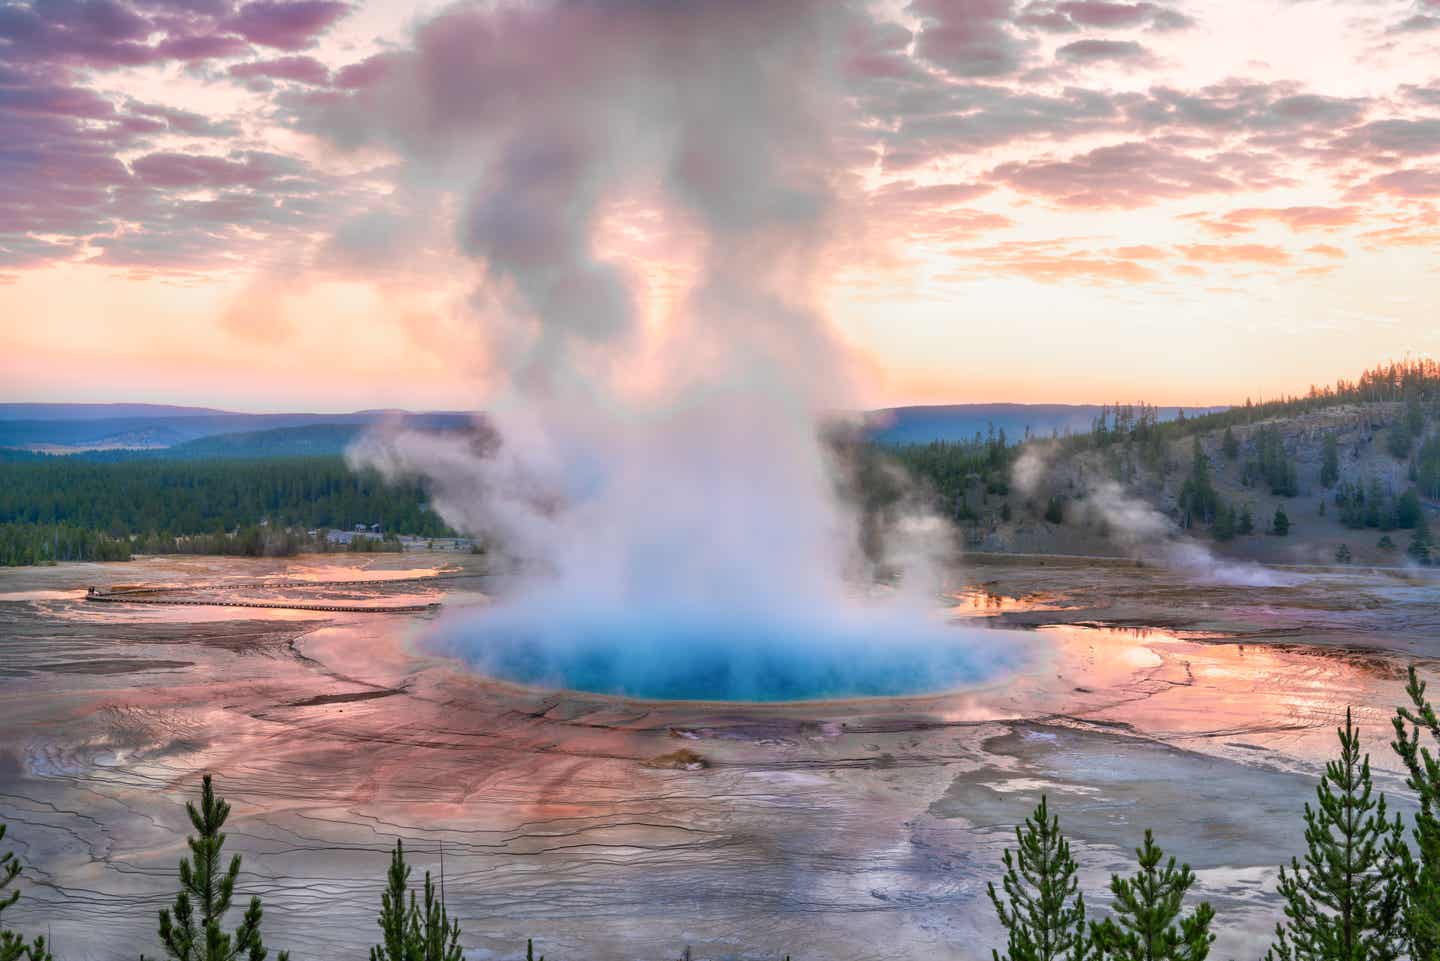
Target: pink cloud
x=201 y=47
x=366 y=72
x=190 y=171
x=284 y=25
x=1402 y=183
x=66 y=101
x=299 y=68
x=1103 y=51
x=1126 y=175
x=1139 y=252
x=970 y=38
x=1397 y=135
x=1070 y=15
x=1054 y=262
x=910 y=194
x=1235 y=254
x=1403 y=236
x=1299 y=218
x=1050 y=270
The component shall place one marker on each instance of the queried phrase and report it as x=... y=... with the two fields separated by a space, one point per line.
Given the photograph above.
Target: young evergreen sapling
x=410 y=930
x=13 y=947
x=1345 y=900
x=1043 y=911
x=191 y=930
x=1422 y=868
x=1149 y=923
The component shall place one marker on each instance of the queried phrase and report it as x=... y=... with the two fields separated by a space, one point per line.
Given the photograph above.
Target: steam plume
x=1136 y=527
x=693 y=519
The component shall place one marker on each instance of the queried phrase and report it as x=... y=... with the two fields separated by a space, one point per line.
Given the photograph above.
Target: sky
x=263 y=204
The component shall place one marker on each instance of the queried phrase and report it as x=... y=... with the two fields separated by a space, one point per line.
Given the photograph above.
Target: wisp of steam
x=663 y=487
x=1143 y=532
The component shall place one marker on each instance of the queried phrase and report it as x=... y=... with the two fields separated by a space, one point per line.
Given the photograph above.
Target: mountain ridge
x=69 y=432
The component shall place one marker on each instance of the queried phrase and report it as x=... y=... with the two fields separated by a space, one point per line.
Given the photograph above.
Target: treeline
x=961 y=474
x=26 y=544
x=1371 y=505
x=267 y=541
x=31 y=544
x=1412 y=382
x=64 y=509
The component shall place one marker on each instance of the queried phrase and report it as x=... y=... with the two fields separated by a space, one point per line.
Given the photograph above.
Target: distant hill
x=958 y=422
x=312 y=440
x=115 y=431
x=87 y=435
x=99 y=411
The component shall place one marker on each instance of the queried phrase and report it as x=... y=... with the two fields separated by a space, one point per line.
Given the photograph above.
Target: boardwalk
x=162 y=594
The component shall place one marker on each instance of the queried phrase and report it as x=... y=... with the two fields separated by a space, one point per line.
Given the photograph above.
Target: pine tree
x=410 y=932
x=188 y=937
x=1044 y=918
x=1281 y=524
x=1224 y=527
x=1414 y=416
x=392 y=909
x=1230 y=445
x=1148 y=923
x=13 y=947
x=1422 y=869
x=1346 y=900
x=1246 y=523
x=1408 y=512
x=434 y=932
x=1398 y=440
x=1197 y=495
x=1421 y=548
x=1330 y=462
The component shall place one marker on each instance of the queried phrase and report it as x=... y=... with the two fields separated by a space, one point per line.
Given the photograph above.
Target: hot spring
x=680 y=653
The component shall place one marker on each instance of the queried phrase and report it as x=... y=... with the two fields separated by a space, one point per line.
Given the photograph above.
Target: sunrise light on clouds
x=248 y=205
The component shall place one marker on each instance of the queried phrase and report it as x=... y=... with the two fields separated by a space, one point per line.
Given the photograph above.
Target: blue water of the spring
x=679 y=653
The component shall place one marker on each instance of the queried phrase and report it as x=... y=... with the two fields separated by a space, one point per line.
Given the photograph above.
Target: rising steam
x=663 y=486
x=1136 y=527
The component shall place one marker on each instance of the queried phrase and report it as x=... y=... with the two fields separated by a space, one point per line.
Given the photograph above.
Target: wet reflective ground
x=835 y=830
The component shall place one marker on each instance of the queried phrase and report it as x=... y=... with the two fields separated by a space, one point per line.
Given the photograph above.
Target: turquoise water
x=686 y=654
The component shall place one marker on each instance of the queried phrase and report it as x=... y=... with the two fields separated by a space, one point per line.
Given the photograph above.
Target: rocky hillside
x=1351 y=482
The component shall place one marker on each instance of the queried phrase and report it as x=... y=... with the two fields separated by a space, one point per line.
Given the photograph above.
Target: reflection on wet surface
x=1215 y=812
x=21 y=597
x=831 y=830
x=981 y=600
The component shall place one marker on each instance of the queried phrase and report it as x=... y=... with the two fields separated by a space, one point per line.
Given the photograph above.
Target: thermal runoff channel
x=661 y=475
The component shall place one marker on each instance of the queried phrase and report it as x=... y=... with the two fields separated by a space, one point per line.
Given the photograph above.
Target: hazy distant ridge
x=99 y=411
x=204 y=432
x=172 y=430
x=952 y=422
